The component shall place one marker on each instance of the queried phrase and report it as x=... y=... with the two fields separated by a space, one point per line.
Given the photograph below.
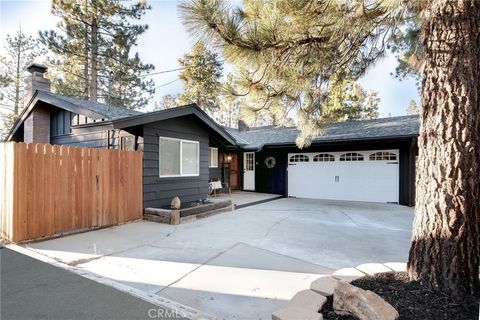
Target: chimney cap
x=36 y=67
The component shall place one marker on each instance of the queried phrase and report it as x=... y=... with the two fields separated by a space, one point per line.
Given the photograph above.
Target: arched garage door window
x=382 y=155
x=351 y=156
x=299 y=158
x=323 y=157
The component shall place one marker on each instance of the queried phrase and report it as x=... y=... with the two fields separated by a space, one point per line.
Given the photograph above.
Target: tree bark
x=445 y=243
x=94 y=55
x=18 y=75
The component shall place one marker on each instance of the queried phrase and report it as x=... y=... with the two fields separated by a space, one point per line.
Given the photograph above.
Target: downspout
x=412 y=169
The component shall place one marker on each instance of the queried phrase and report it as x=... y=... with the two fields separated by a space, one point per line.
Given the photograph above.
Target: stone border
x=183 y=310
x=306 y=304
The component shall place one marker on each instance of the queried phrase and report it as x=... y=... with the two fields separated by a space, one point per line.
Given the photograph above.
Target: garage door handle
x=337 y=178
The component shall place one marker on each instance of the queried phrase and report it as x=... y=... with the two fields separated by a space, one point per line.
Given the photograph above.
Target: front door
x=234 y=176
x=249 y=171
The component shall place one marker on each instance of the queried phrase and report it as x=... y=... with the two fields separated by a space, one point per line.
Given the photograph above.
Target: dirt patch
x=412 y=300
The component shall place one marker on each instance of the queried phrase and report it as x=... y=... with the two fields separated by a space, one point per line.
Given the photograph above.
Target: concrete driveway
x=243 y=264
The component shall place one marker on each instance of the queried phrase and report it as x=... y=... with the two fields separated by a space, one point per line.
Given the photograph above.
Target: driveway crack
x=274 y=225
x=198 y=267
x=350 y=218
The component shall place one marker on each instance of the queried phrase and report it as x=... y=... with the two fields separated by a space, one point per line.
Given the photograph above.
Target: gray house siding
x=108 y=139
x=218 y=172
x=158 y=192
x=90 y=140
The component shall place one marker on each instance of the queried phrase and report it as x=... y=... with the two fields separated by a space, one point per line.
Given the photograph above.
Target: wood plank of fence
x=47 y=190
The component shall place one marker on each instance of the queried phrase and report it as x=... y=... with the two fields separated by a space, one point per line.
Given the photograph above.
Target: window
x=323 y=157
x=127 y=143
x=299 y=158
x=178 y=157
x=249 y=166
x=213 y=157
x=60 y=122
x=382 y=155
x=352 y=156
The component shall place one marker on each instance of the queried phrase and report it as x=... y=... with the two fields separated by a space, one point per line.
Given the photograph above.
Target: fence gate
x=47 y=190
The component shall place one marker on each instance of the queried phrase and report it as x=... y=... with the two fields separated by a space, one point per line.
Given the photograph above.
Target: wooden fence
x=47 y=190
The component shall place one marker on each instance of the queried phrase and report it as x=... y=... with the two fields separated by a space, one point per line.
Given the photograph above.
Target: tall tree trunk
x=18 y=75
x=94 y=56
x=445 y=244
x=86 y=48
x=85 y=67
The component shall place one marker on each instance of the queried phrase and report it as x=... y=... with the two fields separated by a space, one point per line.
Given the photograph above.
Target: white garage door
x=354 y=175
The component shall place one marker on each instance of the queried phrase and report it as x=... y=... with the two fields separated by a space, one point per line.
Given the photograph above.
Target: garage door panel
x=367 y=180
x=306 y=180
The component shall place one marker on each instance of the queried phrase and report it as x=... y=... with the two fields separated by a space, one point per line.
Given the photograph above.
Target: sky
x=166 y=40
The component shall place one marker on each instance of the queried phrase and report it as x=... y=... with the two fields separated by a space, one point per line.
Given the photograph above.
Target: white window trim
x=181 y=157
x=210 y=158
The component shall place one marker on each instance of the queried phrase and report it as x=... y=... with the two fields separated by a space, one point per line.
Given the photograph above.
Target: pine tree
x=412 y=108
x=92 y=49
x=293 y=49
x=288 y=51
x=347 y=100
x=201 y=78
x=408 y=49
x=21 y=50
x=168 y=101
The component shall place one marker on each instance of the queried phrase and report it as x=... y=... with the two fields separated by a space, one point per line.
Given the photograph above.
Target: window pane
x=213 y=156
x=169 y=157
x=127 y=143
x=190 y=158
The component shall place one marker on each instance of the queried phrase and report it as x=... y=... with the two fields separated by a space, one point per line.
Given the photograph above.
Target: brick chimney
x=242 y=126
x=36 y=128
x=35 y=81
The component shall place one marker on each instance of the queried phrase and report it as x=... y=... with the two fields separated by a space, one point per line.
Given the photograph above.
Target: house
x=184 y=149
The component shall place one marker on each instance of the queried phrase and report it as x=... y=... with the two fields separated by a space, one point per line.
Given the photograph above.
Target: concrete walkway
x=31 y=289
x=243 y=264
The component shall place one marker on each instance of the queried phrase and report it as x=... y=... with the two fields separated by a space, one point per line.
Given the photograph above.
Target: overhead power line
x=180 y=69
x=167 y=83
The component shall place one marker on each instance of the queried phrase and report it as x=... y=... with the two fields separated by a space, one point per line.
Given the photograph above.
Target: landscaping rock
x=308 y=300
x=176 y=203
x=364 y=304
x=296 y=313
x=348 y=274
x=324 y=285
x=373 y=268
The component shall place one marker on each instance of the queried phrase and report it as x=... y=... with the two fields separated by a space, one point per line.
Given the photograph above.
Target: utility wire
x=179 y=69
x=167 y=83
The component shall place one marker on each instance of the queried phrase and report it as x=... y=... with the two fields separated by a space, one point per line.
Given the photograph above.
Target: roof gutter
x=326 y=142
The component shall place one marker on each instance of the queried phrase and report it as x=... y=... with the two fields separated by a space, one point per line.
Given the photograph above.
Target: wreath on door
x=270 y=162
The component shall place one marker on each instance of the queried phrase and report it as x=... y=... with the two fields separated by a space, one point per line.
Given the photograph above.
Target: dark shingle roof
x=105 y=110
x=393 y=127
